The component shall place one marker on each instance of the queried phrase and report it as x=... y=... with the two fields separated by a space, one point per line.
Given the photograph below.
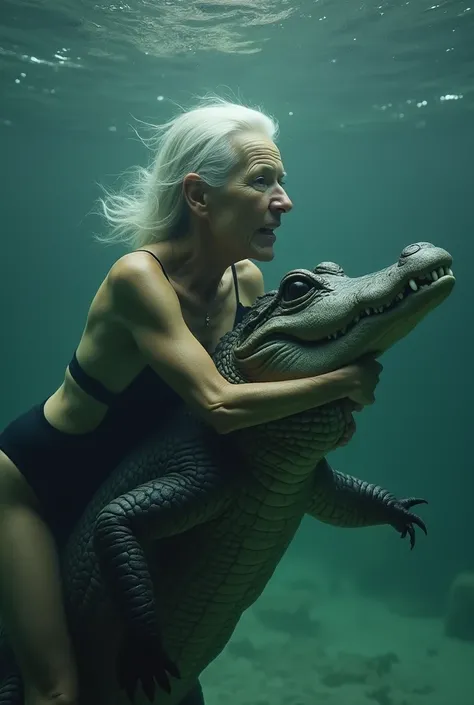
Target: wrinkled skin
x=187 y=532
x=286 y=335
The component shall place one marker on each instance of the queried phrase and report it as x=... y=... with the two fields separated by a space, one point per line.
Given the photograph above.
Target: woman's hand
x=364 y=376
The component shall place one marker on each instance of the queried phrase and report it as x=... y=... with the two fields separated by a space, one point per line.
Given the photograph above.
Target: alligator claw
x=403 y=520
x=143 y=660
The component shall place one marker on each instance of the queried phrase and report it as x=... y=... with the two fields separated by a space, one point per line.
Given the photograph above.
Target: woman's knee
x=53 y=697
x=54 y=684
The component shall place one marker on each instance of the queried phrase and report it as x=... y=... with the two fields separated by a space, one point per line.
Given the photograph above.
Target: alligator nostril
x=410 y=250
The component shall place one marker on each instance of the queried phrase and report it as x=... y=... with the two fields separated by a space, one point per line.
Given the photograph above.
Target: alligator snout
x=412 y=250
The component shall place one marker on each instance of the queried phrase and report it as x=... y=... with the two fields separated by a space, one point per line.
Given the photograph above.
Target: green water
x=375 y=105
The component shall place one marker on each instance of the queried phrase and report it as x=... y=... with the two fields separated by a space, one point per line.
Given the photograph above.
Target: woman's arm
x=149 y=308
x=251 y=284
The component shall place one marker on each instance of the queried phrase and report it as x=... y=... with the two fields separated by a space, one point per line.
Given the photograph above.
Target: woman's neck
x=192 y=264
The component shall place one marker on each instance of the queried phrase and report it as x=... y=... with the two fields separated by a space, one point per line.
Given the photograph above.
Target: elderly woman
x=210 y=202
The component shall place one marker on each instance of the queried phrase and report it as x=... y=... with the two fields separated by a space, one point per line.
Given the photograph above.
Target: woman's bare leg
x=31 y=600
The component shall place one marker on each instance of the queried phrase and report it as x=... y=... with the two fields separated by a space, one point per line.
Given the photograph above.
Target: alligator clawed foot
x=144 y=661
x=404 y=521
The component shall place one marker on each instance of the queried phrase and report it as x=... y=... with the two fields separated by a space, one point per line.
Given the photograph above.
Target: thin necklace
x=207 y=317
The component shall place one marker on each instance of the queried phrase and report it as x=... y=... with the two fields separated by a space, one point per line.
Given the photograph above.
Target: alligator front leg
x=155 y=510
x=347 y=502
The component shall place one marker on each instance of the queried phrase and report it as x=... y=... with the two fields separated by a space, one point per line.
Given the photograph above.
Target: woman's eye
x=268 y=181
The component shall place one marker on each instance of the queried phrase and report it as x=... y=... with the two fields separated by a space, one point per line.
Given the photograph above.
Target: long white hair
x=199 y=141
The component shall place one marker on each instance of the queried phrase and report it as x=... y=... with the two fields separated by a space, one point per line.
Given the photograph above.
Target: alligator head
x=320 y=320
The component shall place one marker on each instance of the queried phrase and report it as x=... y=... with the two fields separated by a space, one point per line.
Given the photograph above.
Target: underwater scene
x=322 y=556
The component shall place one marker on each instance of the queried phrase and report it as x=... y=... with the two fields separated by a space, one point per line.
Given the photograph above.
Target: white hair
x=199 y=141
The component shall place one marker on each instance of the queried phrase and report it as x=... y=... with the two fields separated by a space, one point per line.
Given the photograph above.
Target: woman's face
x=243 y=214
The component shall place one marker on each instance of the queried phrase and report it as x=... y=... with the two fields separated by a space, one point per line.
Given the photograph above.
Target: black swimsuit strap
x=92 y=387
x=157 y=259
x=240 y=308
x=234 y=272
x=233 y=268
x=236 y=283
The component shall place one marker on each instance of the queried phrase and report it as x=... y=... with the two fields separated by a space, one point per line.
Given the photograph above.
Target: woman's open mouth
x=265 y=236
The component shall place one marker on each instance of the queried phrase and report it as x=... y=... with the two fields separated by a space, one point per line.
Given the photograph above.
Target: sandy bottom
x=302 y=644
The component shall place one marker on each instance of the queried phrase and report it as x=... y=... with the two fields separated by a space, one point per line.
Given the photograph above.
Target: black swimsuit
x=65 y=469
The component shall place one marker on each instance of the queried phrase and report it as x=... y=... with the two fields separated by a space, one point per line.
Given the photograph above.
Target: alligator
x=185 y=534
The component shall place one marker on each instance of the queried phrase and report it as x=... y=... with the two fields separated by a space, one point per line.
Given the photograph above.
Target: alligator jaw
x=367 y=328
x=377 y=332
x=426 y=288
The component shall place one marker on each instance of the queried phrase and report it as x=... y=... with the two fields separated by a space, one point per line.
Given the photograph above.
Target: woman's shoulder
x=134 y=262
x=251 y=284
x=136 y=269
x=138 y=283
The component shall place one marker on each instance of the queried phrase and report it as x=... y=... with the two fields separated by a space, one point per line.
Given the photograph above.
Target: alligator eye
x=296 y=288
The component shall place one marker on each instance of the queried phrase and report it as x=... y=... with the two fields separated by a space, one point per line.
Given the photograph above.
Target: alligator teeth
x=426 y=278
